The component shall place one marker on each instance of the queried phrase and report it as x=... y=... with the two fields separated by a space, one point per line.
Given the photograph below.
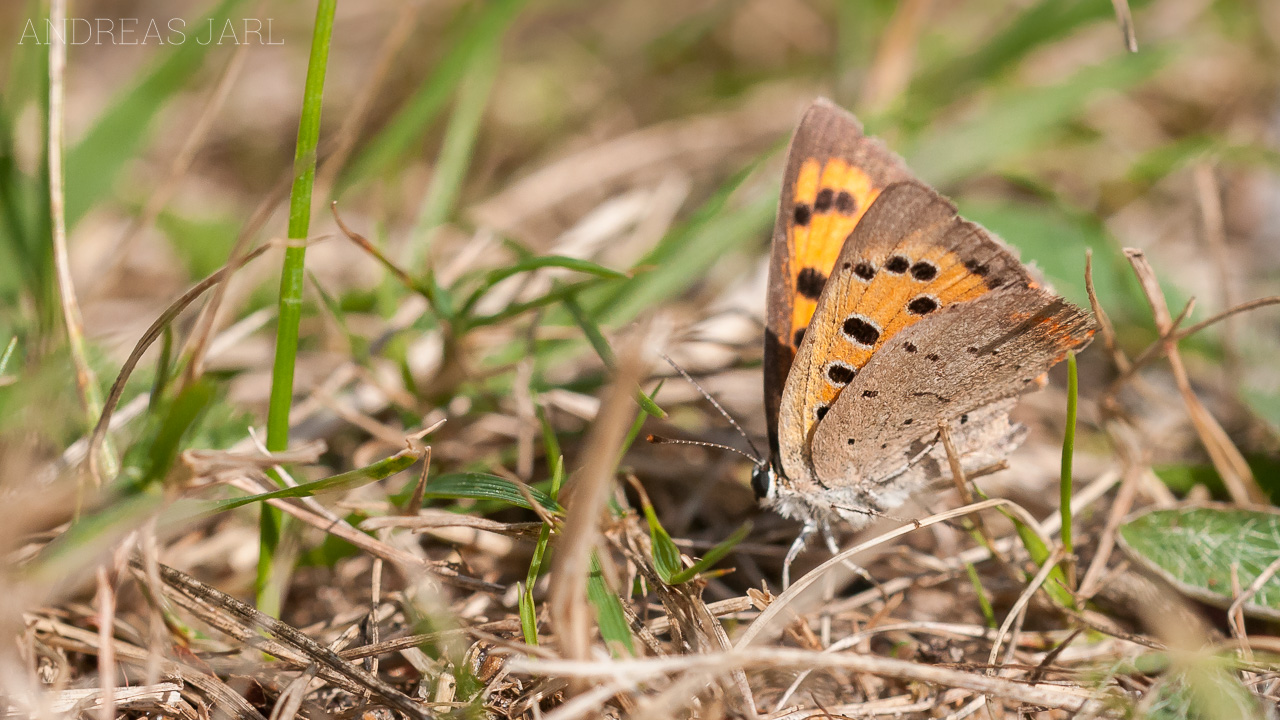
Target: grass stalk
x=1066 y=481
x=292 y=281
x=86 y=378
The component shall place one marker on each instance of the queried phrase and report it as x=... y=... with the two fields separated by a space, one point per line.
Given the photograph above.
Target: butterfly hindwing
x=909 y=258
x=961 y=359
x=833 y=174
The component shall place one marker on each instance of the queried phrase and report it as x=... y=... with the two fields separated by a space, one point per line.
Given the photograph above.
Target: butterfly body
x=888 y=316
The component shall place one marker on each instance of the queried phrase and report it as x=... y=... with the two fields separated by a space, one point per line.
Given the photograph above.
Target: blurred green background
x=642 y=135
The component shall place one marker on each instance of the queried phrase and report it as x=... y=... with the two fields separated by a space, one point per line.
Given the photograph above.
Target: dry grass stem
x=1230 y=464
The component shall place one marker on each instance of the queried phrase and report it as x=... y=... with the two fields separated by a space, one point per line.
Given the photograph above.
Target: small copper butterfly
x=888 y=315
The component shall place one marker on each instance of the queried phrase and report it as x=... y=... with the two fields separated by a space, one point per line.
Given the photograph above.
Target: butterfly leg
x=834 y=547
x=810 y=527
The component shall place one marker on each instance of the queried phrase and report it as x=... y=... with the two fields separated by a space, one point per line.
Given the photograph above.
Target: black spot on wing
x=924 y=271
x=802 y=214
x=798 y=337
x=845 y=204
x=861 y=330
x=839 y=373
x=810 y=282
x=864 y=271
x=897 y=264
x=826 y=198
x=922 y=305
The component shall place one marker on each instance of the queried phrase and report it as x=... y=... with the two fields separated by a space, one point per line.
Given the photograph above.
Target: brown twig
x=1226 y=458
x=185 y=586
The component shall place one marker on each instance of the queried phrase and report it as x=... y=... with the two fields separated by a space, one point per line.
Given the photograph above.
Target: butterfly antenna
x=758 y=459
x=660 y=440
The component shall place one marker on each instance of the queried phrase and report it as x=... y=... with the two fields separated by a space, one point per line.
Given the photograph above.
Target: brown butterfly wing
x=833 y=175
x=958 y=360
x=910 y=257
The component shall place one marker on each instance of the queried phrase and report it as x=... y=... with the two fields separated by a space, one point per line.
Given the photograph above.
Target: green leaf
x=1195 y=549
x=483 y=486
x=609 y=613
x=713 y=555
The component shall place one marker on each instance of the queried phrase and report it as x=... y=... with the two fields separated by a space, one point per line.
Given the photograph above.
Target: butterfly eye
x=762 y=481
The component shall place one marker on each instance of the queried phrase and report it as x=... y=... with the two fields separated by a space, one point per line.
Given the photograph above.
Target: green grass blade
x=380 y=470
x=164 y=366
x=483 y=486
x=118 y=134
x=1066 y=480
x=601 y=345
x=666 y=556
x=8 y=354
x=984 y=602
x=1020 y=119
x=550 y=445
x=179 y=417
x=459 y=143
x=493 y=277
x=713 y=556
x=609 y=613
x=292 y=280
x=528 y=614
x=555 y=295
x=398 y=140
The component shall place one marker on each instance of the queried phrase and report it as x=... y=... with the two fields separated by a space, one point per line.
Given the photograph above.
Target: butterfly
x=888 y=316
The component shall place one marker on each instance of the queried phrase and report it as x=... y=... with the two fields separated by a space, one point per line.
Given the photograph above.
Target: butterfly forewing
x=833 y=175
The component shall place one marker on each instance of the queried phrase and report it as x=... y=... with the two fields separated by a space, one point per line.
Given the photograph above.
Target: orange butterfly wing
x=833 y=174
